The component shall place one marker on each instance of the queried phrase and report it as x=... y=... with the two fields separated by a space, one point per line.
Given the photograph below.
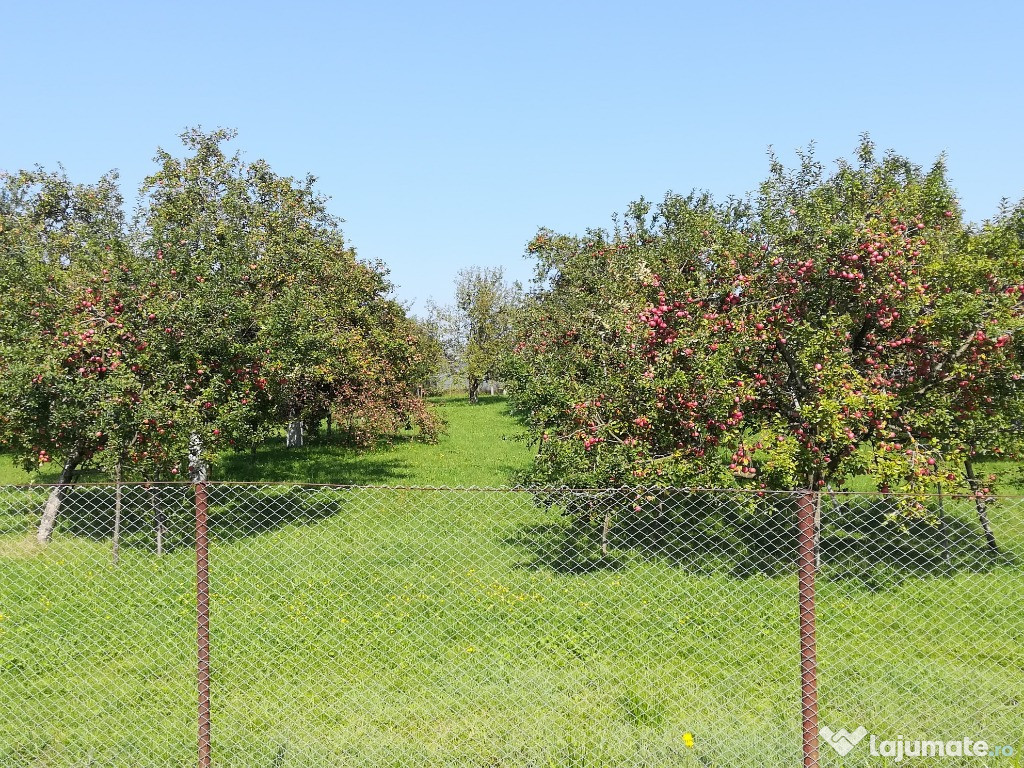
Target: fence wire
x=372 y=626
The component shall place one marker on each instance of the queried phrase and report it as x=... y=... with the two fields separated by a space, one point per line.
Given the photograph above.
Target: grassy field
x=375 y=627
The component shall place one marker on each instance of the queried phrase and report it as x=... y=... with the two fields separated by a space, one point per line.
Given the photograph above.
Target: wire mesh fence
x=359 y=626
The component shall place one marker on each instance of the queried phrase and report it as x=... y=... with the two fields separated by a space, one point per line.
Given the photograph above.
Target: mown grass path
x=478 y=449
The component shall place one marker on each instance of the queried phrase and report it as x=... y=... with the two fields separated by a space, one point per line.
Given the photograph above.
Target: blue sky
x=446 y=133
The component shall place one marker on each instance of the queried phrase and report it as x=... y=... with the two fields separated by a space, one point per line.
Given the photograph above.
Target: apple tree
x=230 y=302
x=828 y=326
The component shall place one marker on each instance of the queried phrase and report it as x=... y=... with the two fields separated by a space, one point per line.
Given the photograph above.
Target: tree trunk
x=197 y=469
x=947 y=553
x=474 y=388
x=115 y=546
x=982 y=506
x=660 y=532
x=52 y=508
x=606 y=529
x=159 y=523
x=293 y=434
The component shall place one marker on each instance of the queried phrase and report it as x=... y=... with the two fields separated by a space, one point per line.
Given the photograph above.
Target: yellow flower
x=688 y=740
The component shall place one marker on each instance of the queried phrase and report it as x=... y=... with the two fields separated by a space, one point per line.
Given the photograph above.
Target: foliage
x=828 y=326
x=64 y=334
x=429 y=360
x=229 y=305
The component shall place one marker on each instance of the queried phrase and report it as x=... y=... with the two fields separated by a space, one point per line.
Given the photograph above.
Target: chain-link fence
x=527 y=627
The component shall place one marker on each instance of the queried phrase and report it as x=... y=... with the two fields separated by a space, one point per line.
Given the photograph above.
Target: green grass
x=10 y=473
x=478 y=449
x=375 y=627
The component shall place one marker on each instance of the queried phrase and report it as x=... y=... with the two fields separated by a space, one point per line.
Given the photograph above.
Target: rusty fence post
x=807 y=565
x=203 y=623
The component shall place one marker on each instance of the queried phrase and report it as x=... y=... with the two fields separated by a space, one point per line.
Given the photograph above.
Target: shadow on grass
x=327 y=460
x=865 y=542
x=239 y=512
x=88 y=510
x=564 y=549
x=167 y=512
x=870 y=543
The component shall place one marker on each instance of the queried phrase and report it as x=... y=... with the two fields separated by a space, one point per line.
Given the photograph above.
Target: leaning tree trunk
x=51 y=510
x=982 y=506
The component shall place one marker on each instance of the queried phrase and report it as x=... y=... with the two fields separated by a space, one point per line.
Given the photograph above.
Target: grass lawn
x=377 y=627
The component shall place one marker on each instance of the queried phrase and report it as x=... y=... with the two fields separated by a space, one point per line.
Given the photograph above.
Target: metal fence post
x=807 y=565
x=203 y=624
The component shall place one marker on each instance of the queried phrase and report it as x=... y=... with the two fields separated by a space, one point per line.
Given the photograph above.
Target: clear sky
x=445 y=133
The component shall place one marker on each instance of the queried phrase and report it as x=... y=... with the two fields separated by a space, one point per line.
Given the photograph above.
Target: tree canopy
x=829 y=325
x=229 y=304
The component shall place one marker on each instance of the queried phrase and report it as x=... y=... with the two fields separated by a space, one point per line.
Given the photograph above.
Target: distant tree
x=474 y=331
x=429 y=361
